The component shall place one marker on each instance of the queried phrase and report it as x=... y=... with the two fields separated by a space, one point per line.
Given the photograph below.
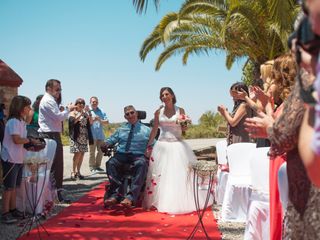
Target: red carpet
x=87 y=219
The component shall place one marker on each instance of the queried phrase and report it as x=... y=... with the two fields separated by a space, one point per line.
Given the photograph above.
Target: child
x=12 y=155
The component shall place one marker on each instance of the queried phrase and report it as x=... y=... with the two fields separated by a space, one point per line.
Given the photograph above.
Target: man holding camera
x=99 y=119
x=50 y=126
x=132 y=139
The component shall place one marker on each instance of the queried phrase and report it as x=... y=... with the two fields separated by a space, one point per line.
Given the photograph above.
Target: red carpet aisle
x=87 y=219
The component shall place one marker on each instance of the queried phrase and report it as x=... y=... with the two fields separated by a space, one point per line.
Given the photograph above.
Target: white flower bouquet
x=33 y=161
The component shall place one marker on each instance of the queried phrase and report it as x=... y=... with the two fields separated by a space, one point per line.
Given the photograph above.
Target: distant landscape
x=211 y=125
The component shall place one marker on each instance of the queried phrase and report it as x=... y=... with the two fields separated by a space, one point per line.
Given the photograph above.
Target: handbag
x=36 y=142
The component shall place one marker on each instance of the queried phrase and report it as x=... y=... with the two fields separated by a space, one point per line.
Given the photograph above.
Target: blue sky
x=93 y=46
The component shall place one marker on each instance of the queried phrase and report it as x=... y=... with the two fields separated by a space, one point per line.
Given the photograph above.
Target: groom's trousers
x=138 y=169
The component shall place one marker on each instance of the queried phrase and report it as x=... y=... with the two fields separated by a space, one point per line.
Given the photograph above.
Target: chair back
x=239 y=155
x=259 y=165
x=221 y=151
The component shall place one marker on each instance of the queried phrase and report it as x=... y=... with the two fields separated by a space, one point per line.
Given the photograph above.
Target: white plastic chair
x=43 y=186
x=236 y=198
x=283 y=186
x=222 y=176
x=258 y=226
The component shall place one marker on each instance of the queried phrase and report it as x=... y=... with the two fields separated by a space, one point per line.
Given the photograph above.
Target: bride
x=169 y=186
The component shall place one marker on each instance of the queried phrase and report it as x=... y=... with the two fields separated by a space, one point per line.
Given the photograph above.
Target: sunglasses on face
x=57 y=89
x=129 y=113
x=80 y=103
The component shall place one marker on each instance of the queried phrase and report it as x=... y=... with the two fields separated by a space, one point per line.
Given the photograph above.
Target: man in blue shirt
x=99 y=119
x=132 y=139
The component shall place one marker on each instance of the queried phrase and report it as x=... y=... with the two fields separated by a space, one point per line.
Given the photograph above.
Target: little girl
x=12 y=155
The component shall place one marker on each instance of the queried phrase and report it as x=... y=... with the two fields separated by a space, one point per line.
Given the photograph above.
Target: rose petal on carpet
x=88 y=219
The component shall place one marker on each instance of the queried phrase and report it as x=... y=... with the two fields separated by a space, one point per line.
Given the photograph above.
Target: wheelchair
x=126 y=170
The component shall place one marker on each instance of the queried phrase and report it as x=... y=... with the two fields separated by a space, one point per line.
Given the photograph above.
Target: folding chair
x=258 y=226
x=222 y=176
x=236 y=198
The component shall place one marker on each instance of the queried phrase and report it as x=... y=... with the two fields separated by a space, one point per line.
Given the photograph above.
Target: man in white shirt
x=50 y=122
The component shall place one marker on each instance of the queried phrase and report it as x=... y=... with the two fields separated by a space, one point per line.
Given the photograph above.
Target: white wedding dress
x=169 y=185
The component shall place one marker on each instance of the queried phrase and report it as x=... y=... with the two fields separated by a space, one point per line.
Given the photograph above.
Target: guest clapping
x=80 y=135
x=236 y=118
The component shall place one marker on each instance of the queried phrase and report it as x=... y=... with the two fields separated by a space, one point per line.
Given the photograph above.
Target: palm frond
x=142 y=5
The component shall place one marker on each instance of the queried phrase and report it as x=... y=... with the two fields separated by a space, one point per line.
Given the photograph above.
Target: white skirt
x=169 y=185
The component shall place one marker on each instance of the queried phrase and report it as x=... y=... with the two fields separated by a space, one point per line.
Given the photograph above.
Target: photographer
x=50 y=122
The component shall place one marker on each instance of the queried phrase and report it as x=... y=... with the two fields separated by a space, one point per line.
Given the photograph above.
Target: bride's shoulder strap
x=160 y=110
x=177 y=110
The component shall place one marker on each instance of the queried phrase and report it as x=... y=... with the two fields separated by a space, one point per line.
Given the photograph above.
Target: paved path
x=195 y=144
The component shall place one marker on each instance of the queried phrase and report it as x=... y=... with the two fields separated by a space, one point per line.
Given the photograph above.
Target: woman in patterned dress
x=80 y=134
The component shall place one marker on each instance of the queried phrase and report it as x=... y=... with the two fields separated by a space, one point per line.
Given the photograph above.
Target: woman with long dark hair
x=235 y=119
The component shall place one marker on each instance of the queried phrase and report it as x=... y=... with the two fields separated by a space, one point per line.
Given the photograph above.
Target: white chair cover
x=257 y=226
x=222 y=176
x=236 y=198
x=41 y=192
x=283 y=186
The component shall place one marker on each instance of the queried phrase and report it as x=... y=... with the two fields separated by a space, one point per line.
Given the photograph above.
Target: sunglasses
x=129 y=113
x=80 y=103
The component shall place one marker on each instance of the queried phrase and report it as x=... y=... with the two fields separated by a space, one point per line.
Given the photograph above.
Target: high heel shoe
x=73 y=176
x=78 y=175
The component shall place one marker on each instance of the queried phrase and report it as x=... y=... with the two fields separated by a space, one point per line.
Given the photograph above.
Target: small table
x=32 y=172
x=202 y=169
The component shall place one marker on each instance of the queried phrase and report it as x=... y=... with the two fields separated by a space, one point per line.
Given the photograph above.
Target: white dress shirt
x=50 y=116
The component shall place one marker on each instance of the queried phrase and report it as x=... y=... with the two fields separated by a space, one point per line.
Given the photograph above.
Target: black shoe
x=61 y=199
x=7 y=218
x=17 y=214
x=99 y=169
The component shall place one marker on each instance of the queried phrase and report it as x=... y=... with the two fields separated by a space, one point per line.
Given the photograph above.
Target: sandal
x=78 y=175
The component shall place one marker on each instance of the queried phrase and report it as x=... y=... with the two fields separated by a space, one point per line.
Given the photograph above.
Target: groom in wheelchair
x=131 y=139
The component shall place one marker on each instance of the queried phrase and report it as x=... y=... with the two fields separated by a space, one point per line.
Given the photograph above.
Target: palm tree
x=141 y=5
x=255 y=29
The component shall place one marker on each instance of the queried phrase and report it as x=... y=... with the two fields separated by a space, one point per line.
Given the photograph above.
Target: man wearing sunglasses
x=50 y=126
x=132 y=138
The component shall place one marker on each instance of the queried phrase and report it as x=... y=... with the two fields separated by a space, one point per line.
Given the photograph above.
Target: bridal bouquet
x=183 y=120
x=34 y=158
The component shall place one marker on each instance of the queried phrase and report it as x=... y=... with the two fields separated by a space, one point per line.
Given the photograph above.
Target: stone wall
x=6 y=95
